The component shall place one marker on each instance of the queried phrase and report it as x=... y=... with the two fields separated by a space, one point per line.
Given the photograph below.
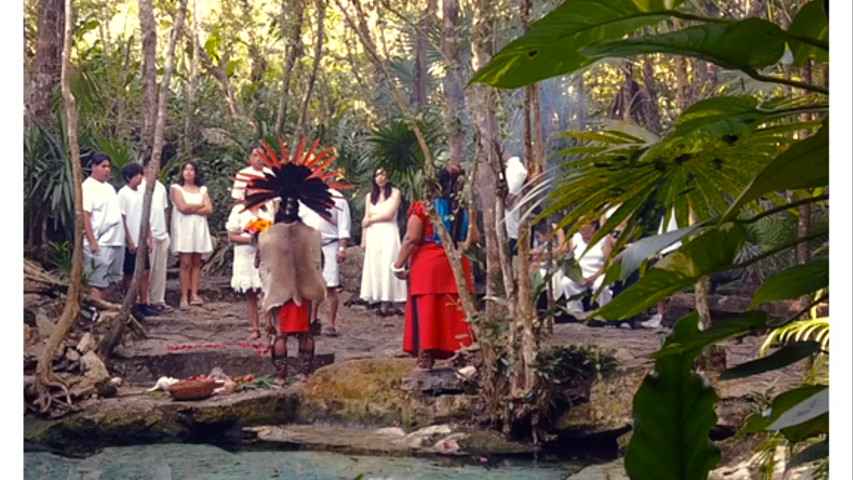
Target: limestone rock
x=72 y=355
x=93 y=368
x=427 y=436
x=363 y=392
x=86 y=343
x=614 y=470
x=44 y=325
x=437 y=380
x=609 y=406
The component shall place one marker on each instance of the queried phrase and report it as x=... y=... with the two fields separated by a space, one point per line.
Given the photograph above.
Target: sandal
x=256 y=334
x=196 y=301
x=184 y=305
x=331 y=331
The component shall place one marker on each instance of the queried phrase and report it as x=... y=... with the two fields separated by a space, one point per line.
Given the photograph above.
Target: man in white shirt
x=103 y=245
x=160 y=240
x=334 y=239
x=130 y=199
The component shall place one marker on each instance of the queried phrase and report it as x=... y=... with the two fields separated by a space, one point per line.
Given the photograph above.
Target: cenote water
x=207 y=462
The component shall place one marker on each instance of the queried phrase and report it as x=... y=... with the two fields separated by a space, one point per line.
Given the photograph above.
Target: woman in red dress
x=435 y=325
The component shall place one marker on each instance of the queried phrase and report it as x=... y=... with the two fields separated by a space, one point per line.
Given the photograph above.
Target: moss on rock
x=362 y=392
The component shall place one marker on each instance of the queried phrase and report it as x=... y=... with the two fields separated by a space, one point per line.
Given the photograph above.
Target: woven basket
x=191 y=390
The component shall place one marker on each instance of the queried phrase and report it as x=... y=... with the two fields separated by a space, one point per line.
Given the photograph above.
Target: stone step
x=145 y=369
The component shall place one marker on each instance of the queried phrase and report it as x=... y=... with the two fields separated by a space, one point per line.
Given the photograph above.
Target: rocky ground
x=360 y=381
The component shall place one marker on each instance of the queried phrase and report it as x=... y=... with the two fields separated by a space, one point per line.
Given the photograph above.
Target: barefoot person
x=289 y=253
x=435 y=326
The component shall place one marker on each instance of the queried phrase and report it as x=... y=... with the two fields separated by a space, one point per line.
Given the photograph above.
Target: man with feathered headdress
x=289 y=251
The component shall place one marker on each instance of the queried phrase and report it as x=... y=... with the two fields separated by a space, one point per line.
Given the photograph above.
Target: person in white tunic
x=334 y=239
x=245 y=277
x=190 y=233
x=160 y=234
x=590 y=262
x=381 y=241
x=103 y=243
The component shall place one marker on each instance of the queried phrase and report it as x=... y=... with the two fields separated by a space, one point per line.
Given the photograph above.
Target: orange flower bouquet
x=257 y=225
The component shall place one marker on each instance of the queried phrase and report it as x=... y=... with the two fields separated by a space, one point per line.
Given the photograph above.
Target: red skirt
x=293 y=318
x=435 y=322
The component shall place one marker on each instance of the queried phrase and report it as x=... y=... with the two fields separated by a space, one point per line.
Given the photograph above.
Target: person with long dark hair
x=435 y=326
x=190 y=231
x=381 y=241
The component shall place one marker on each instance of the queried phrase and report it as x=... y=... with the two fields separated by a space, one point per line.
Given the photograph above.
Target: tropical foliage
x=720 y=156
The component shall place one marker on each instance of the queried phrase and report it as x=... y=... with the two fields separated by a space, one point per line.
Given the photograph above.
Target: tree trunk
x=453 y=80
x=421 y=72
x=259 y=63
x=320 y=5
x=652 y=110
x=525 y=317
x=45 y=378
x=116 y=329
x=148 y=25
x=580 y=97
x=51 y=24
x=192 y=85
x=293 y=49
x=221 y=77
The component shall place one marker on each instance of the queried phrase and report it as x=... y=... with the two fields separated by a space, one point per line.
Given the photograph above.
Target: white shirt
x=340 y=214
x=101 y=202
x=159 y=204
x=515 y=175
x=591 y=261
x=130 y=202
x=238 y=191
x=672 y=226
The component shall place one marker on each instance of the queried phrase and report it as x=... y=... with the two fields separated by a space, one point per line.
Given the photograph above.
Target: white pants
x=572 y=288
x=157 y=279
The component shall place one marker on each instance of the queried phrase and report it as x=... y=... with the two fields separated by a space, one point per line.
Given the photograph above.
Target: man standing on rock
x=103 y=245
x=335 y=234
x=289 y=255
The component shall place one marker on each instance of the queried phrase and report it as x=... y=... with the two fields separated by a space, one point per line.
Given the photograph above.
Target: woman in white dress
x=190 y=233
x=245 y=277
x=381 y=241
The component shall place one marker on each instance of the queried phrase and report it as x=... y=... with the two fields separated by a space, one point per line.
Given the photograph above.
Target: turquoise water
x=206 y=462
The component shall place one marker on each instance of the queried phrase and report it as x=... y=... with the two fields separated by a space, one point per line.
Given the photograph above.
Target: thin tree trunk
x=652 y=108
x=221 y=77
x=420 y=73
x=192 y=85
x=452 y=80
x=116 y=329
x=45 y=377
x=580 y=97
x=320 y=5
x=148 y=25
x=46 y=73
x=293 y=49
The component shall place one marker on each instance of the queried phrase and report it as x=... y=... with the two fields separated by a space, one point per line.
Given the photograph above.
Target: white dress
x=245 y=276
x=590 y=263
x=190 y=233
x=382 y=245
